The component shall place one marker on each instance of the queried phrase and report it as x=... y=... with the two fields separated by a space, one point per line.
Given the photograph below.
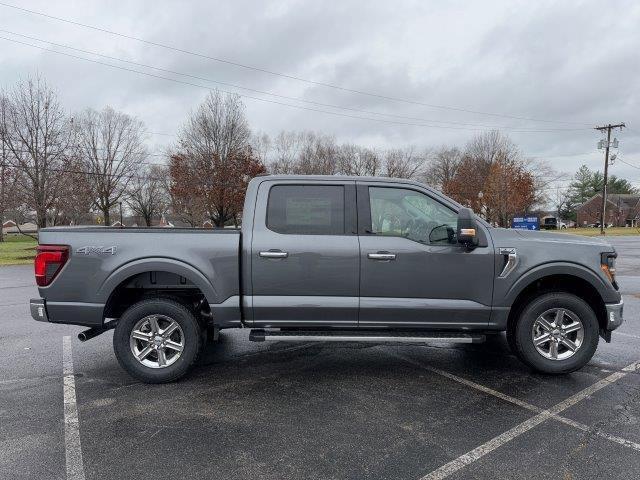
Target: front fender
x=158 y=264
x=606 y=290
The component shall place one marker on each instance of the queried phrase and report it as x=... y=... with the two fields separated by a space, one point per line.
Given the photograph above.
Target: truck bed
x=102 y=259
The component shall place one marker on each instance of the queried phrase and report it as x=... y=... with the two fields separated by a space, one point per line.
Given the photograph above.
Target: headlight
x=608 y=266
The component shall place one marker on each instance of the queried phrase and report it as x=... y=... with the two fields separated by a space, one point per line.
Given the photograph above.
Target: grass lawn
x=595 y=232
x=17 y=250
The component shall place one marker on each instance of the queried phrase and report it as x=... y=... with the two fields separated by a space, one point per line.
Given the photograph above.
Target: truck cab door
x=413 y=273
x=304 y=255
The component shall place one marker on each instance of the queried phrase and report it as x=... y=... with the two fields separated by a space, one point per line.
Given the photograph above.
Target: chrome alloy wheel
x=557 y=334
x=157 y=341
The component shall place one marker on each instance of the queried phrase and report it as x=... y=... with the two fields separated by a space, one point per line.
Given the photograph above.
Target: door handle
x=381 y=256
x=274 y=254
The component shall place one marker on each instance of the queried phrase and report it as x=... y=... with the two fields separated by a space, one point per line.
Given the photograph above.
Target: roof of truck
x=337 y=177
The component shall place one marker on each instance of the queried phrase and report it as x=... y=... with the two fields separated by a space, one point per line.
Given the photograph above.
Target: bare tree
x=111 y=145
x=8 y=174
x=286 y=151
x=217 y=128
x=544 y=176
x=147 y=196
x=74 y=203
x=443 y=166
x=310 y=153
x=559 y=198
x=214 y=161
x=188 y=208
x=357 y=160
x=317 y=155
x=9 y=177
x=261 y=147
x=402 y=163
x=305 y=153
x=485 y=148
x=36 y=136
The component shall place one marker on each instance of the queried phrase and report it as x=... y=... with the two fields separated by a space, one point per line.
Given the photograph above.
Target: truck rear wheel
x=555 y=333
x=157 y=340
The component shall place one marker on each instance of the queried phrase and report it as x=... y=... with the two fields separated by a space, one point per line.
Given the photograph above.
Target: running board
x=261 y=335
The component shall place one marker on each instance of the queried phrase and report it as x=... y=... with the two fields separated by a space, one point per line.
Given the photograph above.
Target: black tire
x=511 y=339
x=521 y=339
x=191 y=332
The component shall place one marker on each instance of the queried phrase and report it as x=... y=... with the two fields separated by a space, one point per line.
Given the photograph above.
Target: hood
x=501 y=235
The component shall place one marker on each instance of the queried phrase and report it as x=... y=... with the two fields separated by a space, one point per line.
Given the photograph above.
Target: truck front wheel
x=157 y=340
x=555 y=333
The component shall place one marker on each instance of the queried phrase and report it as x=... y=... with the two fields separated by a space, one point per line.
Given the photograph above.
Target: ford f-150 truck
x=323 y=258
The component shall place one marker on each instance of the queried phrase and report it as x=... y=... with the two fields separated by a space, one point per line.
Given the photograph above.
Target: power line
x=379 y=120
x=160 y=133
x=284 y=75
x=80 y=172
x=132 y=176
x=627 y=163
x=163 y=155
x=311 y=102
x=171 y=155
x=83 y=120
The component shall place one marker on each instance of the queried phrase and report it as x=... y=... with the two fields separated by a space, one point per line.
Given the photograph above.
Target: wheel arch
x=186 y=278
x=580 y=282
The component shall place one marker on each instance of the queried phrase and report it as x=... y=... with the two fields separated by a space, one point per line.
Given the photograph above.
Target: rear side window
x=306 y=209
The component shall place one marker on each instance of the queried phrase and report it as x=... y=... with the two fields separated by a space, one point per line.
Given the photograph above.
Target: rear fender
x=158 y=265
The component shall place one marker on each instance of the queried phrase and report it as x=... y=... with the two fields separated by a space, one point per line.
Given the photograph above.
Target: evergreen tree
x=587 y=183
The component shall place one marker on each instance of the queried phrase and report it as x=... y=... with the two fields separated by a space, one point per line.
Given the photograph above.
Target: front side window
x=410 y=214
x=306 y=209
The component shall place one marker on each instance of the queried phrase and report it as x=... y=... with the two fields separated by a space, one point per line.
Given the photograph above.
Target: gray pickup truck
x=331 y=259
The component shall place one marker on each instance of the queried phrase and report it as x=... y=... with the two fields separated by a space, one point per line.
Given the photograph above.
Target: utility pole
x=608 y=128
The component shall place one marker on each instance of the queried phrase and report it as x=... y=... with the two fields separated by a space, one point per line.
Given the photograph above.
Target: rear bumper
x=38 y=309
x=74 y=313
x=614 y=315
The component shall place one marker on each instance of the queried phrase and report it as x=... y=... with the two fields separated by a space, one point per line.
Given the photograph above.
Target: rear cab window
x=306 y=209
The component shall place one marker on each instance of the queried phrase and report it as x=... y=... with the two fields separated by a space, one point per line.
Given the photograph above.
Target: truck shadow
x=232 y=352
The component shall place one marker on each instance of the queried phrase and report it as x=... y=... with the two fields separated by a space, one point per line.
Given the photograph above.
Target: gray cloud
x=570 y=61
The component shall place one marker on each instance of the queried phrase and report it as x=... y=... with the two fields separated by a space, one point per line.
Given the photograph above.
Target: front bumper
x=38 y=309
x=614 y=315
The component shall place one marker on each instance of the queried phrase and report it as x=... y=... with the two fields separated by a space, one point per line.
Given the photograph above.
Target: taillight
x=49 y=261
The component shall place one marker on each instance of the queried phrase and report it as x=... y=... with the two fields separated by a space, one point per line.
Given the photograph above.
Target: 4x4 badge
x=91 y=250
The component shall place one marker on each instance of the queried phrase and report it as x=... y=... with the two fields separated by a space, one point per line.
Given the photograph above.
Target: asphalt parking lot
x=315 y=410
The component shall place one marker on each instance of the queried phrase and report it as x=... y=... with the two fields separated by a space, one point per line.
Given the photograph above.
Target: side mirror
x=467 y=228
x=442 y=233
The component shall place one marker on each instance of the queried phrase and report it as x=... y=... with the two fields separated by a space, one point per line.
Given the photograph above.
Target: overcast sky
x=569 y=61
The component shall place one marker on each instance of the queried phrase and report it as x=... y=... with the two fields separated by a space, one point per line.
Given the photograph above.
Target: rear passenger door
x=305 y=255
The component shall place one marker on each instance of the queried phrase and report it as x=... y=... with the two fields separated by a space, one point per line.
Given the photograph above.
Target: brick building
x=623 y=210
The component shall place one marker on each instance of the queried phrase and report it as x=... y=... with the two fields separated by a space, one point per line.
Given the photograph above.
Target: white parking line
x=628 y=335
x=496 y=442
x=613 y=438
x=73 y=450
x=482 y=388
x=528 y=406
x=488 y=447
